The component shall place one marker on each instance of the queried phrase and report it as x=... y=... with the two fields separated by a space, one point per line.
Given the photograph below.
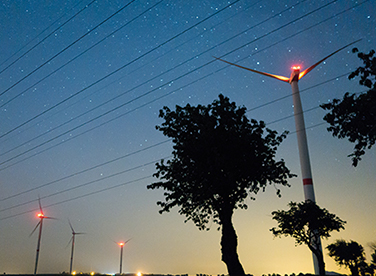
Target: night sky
x=81 y=86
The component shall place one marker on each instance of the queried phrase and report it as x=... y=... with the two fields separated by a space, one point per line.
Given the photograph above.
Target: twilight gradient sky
x=80 y=93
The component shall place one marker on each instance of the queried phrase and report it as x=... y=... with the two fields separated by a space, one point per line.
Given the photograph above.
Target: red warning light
x=296 y=67
x=121 y=243
x=40 y=215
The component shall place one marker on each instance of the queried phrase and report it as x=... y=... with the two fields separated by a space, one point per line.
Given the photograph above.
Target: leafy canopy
x=305 y=222
x=354 y=117
x=349 y=254
x=219 y=159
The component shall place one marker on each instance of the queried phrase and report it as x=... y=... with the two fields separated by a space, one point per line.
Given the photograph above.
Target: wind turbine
x=41 y=216
x=72 y=240
x=121 y=244
x=305 y=164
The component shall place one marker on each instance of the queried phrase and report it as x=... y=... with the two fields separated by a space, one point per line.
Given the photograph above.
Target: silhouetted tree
x=372 y=265
x=219 y=159
x=349 y=254
x=299 y=221
x=354 y=117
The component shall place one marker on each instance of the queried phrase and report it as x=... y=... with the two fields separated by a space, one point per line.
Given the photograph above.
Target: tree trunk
x=354 y=270
x=316 y=250
x=229 y=243
x=320 y=259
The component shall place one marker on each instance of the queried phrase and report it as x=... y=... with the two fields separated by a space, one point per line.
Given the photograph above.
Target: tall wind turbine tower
x=41 y=216
x=121 y=244
x=72 y=250
x=305 y=164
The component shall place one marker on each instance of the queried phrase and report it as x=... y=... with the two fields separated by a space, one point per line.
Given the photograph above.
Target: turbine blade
x=309 y=69
x=71 y=226
x=281 y=78
x=40 y=205
x=127 y=241
x=34 y=229
x=49 y=218
x=69 y=242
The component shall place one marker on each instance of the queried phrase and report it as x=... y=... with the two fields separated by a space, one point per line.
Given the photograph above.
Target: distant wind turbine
x=72 y=240
x=305 y=165
x=41 y=216
x=121 y=244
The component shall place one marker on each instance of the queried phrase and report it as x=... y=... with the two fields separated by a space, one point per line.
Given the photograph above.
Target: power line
x=310 y=127
x=77 y=56
x=85 y=170
x=115 y=71
x=81 y=196
x=65 y=48
x=119 y=173
x=301 y=91
x=157 y=76
x=62 y=25
x=116 y=108
x=303 y=30
x=305 y=111
x=81 y=185
x=111 y=34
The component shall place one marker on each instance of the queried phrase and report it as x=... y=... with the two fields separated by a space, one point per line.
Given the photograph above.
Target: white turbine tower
x=305 y=164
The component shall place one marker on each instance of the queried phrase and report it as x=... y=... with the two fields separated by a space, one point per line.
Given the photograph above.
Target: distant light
x=74 y=273
x=92 y=273
x=139 y=274
x=296 y=67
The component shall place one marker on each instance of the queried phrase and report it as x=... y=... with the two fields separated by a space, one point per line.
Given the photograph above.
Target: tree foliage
x=349 y=254
x=354 y=116
x=306 y=222
x=220 y=158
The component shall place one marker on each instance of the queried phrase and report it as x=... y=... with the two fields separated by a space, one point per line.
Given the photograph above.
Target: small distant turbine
x=41 y=216
x=121 y=244
x=72 y=240
x=305 y=164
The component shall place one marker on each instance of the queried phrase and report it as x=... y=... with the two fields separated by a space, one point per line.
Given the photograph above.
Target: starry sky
x=81 y=86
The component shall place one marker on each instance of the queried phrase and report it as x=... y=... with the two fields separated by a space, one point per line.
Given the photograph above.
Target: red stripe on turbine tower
x=307 y=181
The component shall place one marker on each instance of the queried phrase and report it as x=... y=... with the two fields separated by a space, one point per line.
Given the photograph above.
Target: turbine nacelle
x=40 y=215
x=295 y=74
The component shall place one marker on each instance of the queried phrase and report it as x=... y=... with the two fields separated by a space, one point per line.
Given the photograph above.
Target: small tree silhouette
x=349 y=254
x=299 y=221
x=354 y=116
